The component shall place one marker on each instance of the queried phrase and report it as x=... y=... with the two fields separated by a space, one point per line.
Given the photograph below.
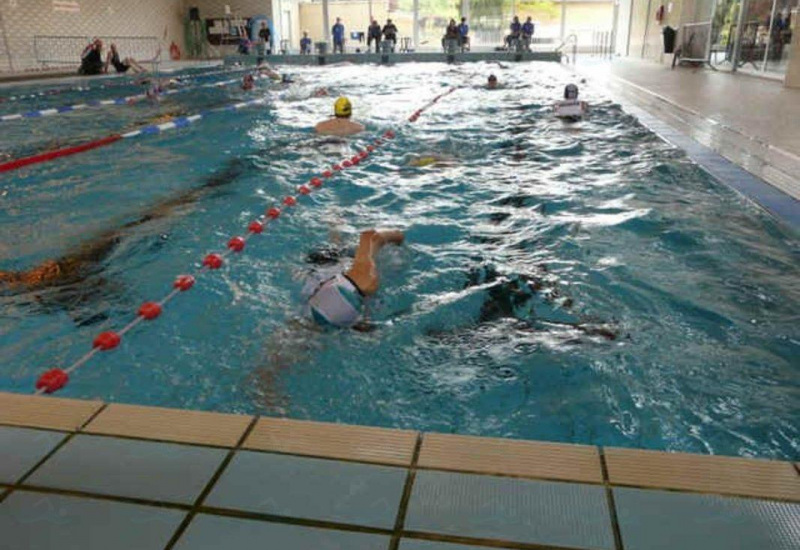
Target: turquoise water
x=581 y=283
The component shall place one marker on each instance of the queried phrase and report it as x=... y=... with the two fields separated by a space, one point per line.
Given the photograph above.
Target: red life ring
x=174 y=52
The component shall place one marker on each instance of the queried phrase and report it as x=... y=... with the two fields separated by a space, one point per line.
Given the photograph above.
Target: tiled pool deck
x=84 y=474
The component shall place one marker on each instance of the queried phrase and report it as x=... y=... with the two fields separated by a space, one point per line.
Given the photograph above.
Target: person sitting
x=452 y=37
x=337 y=300
x=390 y=33
x=340 y=125
x=463 y=33
x=121 y=66
x=305 y=44
x=571 y=108
x=244 y=46
x=512 y=40
x=492 y=83
x=527 y=33
x=338 y=36
x=374 y=32
x=92 y=58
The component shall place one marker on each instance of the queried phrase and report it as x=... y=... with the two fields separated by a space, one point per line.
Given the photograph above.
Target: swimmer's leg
x=364 y=273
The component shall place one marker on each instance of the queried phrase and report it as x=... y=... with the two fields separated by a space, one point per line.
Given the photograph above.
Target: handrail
x=571 y=39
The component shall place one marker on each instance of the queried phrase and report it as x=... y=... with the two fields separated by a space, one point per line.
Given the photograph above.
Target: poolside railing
x=53 y=50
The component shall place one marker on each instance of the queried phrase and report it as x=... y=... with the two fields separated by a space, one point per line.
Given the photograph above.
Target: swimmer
x=340 y=125
x=320 y=92
x=265 y=70
x=492 y=83
x=571 y=108
x=248 y=82
x=423 y=161
x=338 y=300
x=78 y=264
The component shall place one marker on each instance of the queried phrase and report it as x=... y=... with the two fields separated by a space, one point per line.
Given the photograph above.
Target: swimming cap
x=342 y=108
x=492 y=78
x=571 y=91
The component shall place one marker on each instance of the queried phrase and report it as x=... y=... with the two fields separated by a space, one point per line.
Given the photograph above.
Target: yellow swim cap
x=342 y=108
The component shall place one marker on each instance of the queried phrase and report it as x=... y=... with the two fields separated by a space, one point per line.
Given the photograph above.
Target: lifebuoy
x=660 y=14
x=174 y=51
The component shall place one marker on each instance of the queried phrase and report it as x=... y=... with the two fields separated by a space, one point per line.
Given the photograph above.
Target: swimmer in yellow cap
x=340 y=124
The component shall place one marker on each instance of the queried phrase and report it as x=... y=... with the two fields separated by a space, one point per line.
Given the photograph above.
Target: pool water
x=582 y=283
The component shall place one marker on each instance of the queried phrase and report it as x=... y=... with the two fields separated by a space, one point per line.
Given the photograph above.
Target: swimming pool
x=616 y=230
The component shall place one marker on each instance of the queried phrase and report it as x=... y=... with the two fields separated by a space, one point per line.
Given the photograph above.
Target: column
x=793 y=69
x=326 y=22
x=416 y=25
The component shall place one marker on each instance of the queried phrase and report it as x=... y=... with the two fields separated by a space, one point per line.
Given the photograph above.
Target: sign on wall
x=66 y=6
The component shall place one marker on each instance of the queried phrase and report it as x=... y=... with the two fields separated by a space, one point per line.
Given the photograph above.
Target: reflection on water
x=578 y=282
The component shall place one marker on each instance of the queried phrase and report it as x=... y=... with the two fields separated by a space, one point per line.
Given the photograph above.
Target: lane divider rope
x=178 y=122
x=110 y=85
x=56 y=378
x=127 y=100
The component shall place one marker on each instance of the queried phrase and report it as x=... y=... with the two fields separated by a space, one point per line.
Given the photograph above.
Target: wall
x=645 y=38
x=793 y=70
x=355 y=17
x=24 y=19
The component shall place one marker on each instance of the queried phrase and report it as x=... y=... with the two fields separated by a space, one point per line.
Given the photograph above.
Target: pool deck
x=741 y=129
x=393 y=58
x=86 y=474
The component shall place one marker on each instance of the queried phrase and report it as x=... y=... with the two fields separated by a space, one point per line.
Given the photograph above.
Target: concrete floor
x=748 y=120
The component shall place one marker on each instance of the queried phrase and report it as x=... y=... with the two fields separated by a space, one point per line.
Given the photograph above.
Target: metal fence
x=66 y=50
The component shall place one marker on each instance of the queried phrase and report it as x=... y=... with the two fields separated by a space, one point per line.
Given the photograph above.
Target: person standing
x=374 y=33
x=338 y=36
x=390 y=33
x=305 y=44
x=266 y=39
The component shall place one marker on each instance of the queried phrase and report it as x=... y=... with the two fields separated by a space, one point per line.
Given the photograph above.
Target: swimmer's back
x=338 y=127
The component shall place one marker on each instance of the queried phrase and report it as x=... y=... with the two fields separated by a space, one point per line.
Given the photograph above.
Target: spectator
x=265 y=45
x=451 y=37
x=305 y=44
x=390 y=33
x=92 y=58
x=463 y=33
x=338 y=36
x=527 y=33
x=513 y=38
x=374 y=33
x=121 y=66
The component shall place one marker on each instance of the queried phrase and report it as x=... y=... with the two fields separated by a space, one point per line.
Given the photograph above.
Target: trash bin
x=669 y=39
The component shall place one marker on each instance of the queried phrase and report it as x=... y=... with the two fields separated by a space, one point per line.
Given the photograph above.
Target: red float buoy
x=213 y=261
x=388 y=134
x=347 y=164
x=362 y=155
x=337 y=167
x=327 y=174
x=107 y=340
x=370 y=148
x=184 y=282
x=236 y=244
x=290 y=201
x=273 y=212
x=150 y=310
x=255 y=227
x=316 y=182
x=304 y=190
x=52 y=380
x=355 y=160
